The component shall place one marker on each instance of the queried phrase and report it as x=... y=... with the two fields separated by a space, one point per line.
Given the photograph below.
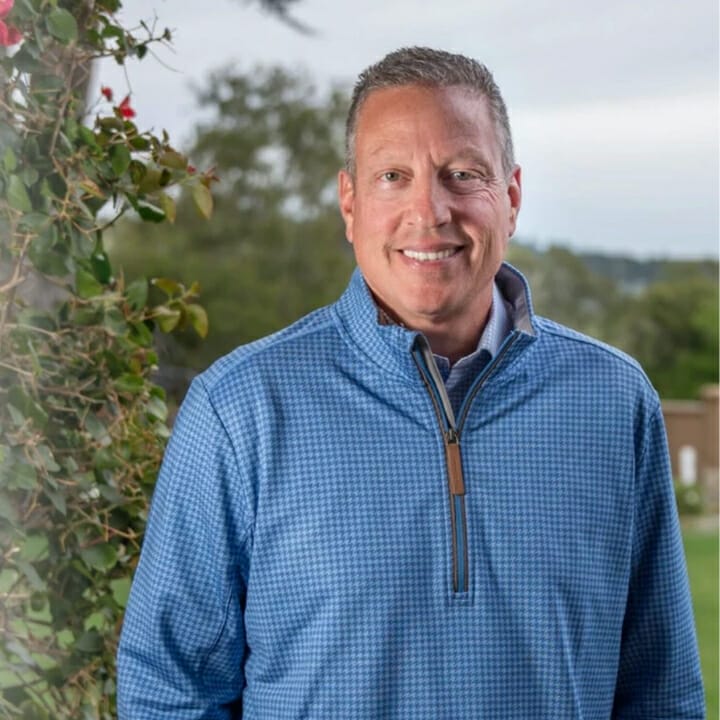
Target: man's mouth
x=427 y=256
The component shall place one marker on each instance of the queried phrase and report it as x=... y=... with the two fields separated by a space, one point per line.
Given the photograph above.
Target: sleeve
x=182 y=643
x=659 y=671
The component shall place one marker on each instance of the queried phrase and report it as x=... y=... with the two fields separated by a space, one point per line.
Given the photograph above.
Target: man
x=422 y=501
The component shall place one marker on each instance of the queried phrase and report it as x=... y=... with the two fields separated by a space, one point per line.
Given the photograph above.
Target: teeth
x=415 y=255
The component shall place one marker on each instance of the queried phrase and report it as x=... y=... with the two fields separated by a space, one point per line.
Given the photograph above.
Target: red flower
x=107 y=92
x=191 y=169
x=5 y=7
x=9 y=35
x=124 y=108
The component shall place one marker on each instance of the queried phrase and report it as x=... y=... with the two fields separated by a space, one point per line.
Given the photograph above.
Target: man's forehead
x=455 y=115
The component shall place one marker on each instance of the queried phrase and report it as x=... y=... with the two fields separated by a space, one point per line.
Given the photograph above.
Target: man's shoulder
x=583 y=350
x=299 y=342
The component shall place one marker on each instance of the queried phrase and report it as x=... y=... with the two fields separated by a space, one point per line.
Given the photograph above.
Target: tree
x=274 y=248
x=672 y=329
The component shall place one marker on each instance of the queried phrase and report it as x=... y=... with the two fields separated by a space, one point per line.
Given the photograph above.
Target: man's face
x=429 y=211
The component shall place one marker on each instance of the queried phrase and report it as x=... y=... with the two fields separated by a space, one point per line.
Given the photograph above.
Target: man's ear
x=346 y=200
x=514 y=191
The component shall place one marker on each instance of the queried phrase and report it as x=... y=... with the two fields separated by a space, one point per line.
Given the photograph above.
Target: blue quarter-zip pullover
x=329 y=538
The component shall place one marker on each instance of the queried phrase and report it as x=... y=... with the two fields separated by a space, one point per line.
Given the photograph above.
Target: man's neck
x=447 y=338
x=454 y=344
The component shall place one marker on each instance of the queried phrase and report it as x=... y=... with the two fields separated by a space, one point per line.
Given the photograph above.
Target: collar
x=389 y=346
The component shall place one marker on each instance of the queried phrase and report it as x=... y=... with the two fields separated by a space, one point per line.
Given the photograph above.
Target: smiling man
x=429 y=205
x=423 y=501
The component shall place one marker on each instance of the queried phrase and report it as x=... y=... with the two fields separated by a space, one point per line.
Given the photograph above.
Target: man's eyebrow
x=472 y=155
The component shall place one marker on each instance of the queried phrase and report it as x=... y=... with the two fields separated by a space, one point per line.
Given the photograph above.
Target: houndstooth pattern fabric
x=298 y=555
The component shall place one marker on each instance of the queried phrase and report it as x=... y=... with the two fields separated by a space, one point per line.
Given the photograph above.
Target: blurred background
x=615 y=117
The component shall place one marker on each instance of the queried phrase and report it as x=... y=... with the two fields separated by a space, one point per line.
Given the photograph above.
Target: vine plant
x=82 y=425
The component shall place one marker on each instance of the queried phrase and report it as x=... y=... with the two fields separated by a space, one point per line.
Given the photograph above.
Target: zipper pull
x=454 y=462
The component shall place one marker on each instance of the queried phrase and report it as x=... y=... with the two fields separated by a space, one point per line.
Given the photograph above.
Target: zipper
x=451 y=439
x=453 y=461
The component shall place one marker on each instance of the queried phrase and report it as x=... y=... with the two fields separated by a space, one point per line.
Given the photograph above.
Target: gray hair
x=430 y=68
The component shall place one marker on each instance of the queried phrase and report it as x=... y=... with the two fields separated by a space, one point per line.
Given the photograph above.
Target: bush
x=689 y=499
x=83 y=426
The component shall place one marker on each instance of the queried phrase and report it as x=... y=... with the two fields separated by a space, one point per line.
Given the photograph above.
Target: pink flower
x=9 y=35
x=5 y=7
x=106 y=91
x=124 y=108
x=191 y=169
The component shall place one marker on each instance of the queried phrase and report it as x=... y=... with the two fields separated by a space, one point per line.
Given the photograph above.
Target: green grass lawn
x=701 y=549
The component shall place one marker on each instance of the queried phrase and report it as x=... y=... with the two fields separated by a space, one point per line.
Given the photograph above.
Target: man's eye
x=463 y=175
x=391 y=176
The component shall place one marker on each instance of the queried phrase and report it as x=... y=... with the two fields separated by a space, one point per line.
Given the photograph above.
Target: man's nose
x=429 y=204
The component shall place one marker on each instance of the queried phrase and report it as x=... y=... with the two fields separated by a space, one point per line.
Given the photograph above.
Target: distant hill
x=632 y=275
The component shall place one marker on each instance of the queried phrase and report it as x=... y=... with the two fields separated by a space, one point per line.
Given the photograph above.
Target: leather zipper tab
x=454 y=463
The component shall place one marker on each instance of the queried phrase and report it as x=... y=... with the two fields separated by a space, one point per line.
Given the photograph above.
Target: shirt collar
x=498 y=326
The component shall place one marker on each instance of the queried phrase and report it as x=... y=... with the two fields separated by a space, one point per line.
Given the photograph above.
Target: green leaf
x=168 y=206
x=147 y=179
x=119 y=159
x=128 y=382
x=203 y=200
x=173 y=159
x=139 y=142
x=30 y=573
x=113 y=31
x=166 y=318
x=86 y=284
x=198 y=319
x=137 y=293
x=34 y=548
x=7 y=509
x=87 y=136
x=17 y=195
x=16 y=416
x=89 y=642
x=168 y=286
x=27 y=406
x=114 y=322
x=34 y=221
x=25 y=61
x=100 y=263
x=120 y=591
x=100 y=557
x=29 y=175
x=148 y=211
x=47 y=459
x=141 y=334
x=110 y=5
x=57 y=499
x=96 y=428
x=86 y=316
x=157 y=408
x=9 y=160
x=110 y=123
x=71 y=124
x=22 y=477
x=61 y=24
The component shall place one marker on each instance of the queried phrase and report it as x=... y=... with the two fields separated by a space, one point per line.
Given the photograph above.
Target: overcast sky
x=614 y=105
